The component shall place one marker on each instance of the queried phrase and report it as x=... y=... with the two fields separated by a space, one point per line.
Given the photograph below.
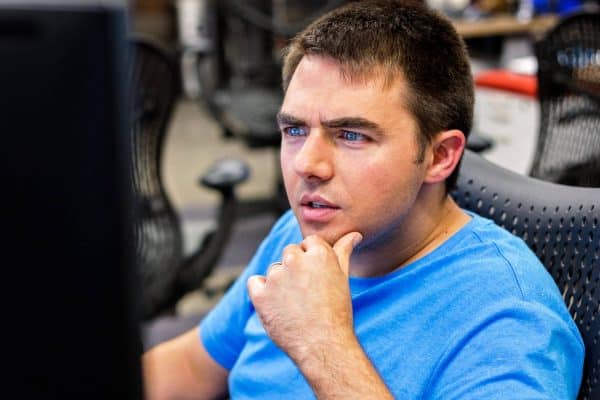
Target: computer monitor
x=70 y=301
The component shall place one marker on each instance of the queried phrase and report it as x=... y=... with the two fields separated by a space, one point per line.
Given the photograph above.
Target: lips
x=315 y=208
x=316 y=202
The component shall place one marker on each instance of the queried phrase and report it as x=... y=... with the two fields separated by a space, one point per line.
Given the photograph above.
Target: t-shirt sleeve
x=524 y=349
x=222 y=330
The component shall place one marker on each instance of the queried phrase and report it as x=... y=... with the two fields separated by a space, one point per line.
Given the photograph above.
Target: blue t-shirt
x=478 y=318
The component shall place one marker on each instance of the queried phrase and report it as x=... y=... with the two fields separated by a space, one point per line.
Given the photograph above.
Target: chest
x=403 y=355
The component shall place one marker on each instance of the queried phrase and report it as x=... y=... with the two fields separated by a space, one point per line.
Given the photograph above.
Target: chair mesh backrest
x=568 y=57
x=561 y=224
x=154 y=85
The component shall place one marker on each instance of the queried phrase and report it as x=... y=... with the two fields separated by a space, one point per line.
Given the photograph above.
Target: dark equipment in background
x=72 y=327
x=561 y=224
x=568 y=149
x=166 y=272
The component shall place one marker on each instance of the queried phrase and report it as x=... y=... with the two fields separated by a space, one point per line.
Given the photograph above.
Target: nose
x=314 y=159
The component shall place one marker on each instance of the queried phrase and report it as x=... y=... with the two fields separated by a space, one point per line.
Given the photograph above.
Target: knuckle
x=312 y=240
x=289 y=258
x=290 y=248
x=320 y=251
x=289 y=254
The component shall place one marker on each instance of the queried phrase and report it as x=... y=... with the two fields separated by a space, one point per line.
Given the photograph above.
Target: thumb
x=343 y=248
x=256 y=287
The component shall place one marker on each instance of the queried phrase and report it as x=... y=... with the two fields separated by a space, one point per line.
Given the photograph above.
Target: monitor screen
x=71 y=302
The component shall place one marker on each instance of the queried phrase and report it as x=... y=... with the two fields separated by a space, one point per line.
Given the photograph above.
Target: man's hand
x=304 y=303
x=306 y=308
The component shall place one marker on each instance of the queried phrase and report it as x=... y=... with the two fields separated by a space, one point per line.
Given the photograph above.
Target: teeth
x=317 y=205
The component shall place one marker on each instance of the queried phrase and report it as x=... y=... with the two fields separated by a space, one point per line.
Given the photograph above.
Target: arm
x=343 y=370
x=305 y=307
x=182 y=369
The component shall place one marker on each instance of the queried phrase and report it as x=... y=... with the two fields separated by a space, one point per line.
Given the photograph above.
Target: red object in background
x=509 y=81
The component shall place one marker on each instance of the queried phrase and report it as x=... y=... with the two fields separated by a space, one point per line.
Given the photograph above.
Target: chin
x=330 y=235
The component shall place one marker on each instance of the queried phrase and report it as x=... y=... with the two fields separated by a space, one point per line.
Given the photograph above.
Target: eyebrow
x=288 y=119
x=344 y=122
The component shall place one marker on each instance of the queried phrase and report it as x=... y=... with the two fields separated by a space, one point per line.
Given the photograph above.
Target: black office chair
x=166 y=272
x=561 y=224
x=568 y=149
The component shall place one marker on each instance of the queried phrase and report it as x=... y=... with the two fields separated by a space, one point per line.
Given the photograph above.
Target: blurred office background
x=500 y=35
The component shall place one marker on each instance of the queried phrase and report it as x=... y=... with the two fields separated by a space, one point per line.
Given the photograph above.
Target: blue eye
x=353 y=136
x=294 y=131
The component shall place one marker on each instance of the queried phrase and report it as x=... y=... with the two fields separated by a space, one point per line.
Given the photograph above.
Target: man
x=377 y=285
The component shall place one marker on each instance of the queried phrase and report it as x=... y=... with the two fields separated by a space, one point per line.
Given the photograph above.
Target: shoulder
x=510 y=276
x=485 y=263
x=506 y=312
x=482 y=248
x=519 y=261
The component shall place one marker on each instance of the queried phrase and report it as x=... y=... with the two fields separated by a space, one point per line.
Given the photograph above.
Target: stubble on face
x=376 y=187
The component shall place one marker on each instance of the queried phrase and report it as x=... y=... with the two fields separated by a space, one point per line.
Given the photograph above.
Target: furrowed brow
x=288 y=119
x=353 y=123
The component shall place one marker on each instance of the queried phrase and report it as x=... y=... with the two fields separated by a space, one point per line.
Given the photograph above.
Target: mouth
x=316 y=209
x=318 y=204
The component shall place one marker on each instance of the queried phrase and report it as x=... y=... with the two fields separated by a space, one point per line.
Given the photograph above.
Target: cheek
x=387 y=188
x=286 y=163
x=374 y=175
x=370 y=186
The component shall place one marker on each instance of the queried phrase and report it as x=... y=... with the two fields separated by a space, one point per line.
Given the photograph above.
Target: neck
x=432 y=219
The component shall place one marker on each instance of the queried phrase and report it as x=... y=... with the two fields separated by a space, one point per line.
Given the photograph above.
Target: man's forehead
x=318 y=78
x=363 y=73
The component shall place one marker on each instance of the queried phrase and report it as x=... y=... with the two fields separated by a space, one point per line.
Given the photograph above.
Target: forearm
x=342 y=370
x=181 y=369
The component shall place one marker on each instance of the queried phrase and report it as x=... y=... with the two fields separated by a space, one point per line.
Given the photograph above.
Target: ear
x=446 y=150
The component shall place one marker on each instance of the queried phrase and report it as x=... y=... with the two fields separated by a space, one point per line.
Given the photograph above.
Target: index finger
x=343 y=249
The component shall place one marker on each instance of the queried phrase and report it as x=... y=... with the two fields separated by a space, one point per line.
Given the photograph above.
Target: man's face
x=348 y=153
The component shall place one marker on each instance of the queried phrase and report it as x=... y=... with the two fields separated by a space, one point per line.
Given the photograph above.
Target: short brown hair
x=407 y=38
